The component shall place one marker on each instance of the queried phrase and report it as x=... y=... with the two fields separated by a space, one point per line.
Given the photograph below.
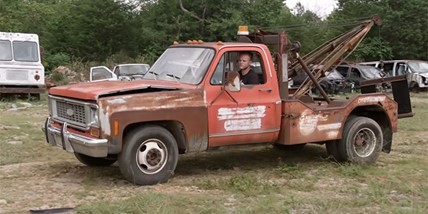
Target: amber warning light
x=243 y=31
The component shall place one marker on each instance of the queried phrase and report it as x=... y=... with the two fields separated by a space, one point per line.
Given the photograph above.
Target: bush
x=52 y=61
x=59 y=78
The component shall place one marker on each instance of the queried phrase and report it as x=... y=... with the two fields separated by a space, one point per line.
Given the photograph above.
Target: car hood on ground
x=93 y=90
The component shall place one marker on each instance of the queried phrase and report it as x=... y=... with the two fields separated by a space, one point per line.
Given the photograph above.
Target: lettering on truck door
x=249 y=115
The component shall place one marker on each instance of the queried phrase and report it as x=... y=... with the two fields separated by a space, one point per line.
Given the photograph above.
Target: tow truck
x=192 y=100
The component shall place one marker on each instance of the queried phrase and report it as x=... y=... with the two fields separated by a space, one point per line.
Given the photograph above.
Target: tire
x=361 y=141
x=91 y=161
x=149 y=156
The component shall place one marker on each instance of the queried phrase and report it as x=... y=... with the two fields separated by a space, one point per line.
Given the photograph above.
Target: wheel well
x=175 y=127
x=377 y=114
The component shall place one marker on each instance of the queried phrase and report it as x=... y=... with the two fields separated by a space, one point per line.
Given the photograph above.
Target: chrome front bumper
x=74 y=143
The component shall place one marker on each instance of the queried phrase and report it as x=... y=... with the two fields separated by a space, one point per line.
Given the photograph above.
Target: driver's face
x=244 y=61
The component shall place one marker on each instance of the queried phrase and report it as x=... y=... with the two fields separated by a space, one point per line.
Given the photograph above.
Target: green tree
x=95 y=29
x=404 y=29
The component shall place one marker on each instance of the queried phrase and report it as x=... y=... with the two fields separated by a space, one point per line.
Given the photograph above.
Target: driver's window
x=238 y=61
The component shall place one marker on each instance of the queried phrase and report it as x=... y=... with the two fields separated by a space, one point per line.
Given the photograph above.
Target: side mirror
x=233 y=82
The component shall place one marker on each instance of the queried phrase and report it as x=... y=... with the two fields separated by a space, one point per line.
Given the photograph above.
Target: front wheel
x=361 y=141
x=149 y=156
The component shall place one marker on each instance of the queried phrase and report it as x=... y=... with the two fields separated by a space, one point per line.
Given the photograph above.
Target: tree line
x=120 y=30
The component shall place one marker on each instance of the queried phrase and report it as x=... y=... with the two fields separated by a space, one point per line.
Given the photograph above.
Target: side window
x=355 y=73
x=342 y=70
x=401 y=68
x=248 y=64
x=217 y=78
x=257 y=67
x=100 y=73
x=387 y=67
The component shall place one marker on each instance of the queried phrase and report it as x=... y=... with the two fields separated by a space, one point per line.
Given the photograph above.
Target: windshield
x=182 y=64
x=419 y=67
x=370 y=72
x=132 y=69
x=5 y=50
x=25 y=51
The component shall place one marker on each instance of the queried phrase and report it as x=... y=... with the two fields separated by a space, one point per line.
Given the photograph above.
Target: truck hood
x=93 y=90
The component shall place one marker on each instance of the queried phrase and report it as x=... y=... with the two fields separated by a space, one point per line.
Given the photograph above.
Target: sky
x=320 y=7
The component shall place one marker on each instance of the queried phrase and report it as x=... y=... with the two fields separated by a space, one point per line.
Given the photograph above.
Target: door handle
x=266 y=89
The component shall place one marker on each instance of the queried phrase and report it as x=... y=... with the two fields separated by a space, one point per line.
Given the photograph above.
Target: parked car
x=415 y=70
x=332 y=83
x=356 y=73
x=124 y=72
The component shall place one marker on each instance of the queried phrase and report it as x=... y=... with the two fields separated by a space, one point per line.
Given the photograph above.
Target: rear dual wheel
x=361 y=142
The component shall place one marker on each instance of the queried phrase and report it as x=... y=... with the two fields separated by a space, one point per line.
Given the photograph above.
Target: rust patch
x=317 y=122
x=188 y=107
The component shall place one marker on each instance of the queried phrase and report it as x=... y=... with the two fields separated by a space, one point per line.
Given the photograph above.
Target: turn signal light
x=115 y=128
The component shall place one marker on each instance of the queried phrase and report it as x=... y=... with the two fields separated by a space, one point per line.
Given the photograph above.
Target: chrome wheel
x=151 y=156
x=364 y=142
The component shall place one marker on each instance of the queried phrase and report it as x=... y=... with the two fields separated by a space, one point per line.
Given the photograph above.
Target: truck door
x=101 y=73
x=248 y=115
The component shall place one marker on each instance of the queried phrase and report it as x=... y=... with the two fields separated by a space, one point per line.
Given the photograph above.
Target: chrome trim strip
x=73 y=101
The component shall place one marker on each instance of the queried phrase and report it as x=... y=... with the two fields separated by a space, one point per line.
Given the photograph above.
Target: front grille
x=76 y=113
x=71 y=112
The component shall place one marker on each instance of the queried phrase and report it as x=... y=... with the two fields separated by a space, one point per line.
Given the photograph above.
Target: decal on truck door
x=240 y=119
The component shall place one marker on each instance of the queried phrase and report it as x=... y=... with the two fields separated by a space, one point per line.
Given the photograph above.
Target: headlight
x=93 y=119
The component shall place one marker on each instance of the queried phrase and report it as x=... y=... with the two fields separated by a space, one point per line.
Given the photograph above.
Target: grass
x=257 y=179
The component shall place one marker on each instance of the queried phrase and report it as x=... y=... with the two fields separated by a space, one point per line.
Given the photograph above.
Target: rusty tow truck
x=191 y=100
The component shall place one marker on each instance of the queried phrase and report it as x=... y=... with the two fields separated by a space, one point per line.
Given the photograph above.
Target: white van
x=21 y=69
x=415 y=70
